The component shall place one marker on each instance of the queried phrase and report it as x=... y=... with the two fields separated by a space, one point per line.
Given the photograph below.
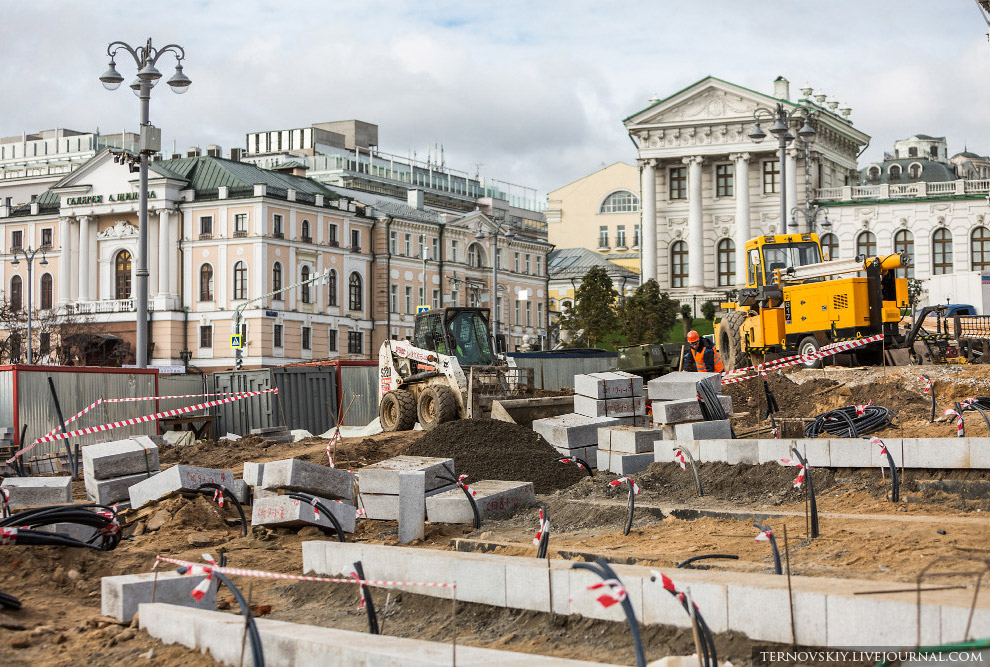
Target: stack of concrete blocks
x=180 y=478
x=677 y=412
x=274 y=433
x=613 y=398
x=496 y=499
x=110 y=469
x=626 y=450
x=379 y=483
x=332 y=487
x=27 y=492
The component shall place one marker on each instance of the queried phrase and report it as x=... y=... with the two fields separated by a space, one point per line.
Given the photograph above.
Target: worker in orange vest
x=702 y=356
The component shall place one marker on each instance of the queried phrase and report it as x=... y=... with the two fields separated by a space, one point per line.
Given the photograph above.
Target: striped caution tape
x=808 y=358
x=138 y=420
x=261 y=574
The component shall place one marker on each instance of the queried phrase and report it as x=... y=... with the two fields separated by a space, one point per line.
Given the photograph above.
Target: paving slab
x=386 y=506
x=629 y=406
x=682 y=384
x=412 y=505
x=299 y=475
x=608 y=384
x=879 y=620
x=495 y=499
x=936 y=452
x=572 y=430
x=628 y=439
x=640 y=421
x=121 y=595
x=662 y=608
x=708 y=430
x=771 y=450
x=177 y=478
x=383 y=477
x=745 y=451
x=109 y=491
x=979 y=453
x=850 y=452
x=623 y=464
x=676 y=411
x=107 y=460
x=38 y=491
x=286 y=512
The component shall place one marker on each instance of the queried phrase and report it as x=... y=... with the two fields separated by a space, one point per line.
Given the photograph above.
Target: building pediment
x=119 y=230
x=706 y=101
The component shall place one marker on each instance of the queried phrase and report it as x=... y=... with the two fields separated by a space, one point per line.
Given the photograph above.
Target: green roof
x=209 y=173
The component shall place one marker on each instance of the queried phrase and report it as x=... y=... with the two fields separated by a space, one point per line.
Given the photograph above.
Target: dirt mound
x=491 y=449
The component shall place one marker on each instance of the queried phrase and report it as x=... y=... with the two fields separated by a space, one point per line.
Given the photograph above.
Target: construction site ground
x=863 y=535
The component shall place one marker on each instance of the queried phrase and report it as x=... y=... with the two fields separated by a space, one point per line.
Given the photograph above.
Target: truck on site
x=796 y=301
x=449 y=370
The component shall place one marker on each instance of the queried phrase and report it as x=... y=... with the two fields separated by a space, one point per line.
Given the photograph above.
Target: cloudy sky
x=528 y=92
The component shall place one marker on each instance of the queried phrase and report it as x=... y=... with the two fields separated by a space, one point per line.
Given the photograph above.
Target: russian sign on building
x=98 y=199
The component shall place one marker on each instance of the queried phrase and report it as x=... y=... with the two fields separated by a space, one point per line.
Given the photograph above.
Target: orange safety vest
x=699 y=358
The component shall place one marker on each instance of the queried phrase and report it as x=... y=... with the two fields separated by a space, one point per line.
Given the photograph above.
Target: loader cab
x=460 y=332
x=766 y=254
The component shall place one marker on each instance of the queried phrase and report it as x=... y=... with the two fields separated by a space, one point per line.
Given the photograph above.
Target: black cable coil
x=844 y=423
x=102 y=518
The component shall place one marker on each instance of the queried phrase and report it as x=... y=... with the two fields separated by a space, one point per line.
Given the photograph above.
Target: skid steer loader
x=449 y=371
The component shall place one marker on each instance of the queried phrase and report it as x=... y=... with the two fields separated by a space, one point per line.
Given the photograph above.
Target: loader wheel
x=397 y=411
x=436 y=406
x=809 y=345
x=730 y=346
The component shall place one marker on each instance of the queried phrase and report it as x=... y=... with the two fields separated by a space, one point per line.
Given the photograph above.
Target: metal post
x=783 y=184
x=142 y=250
x=494 y=304
x=30 y=263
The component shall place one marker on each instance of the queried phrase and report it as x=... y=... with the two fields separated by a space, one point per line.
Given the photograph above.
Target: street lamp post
x=810 y=214
x=508 y=235
x=782 y=120
x=145 y=58
x=29 y=256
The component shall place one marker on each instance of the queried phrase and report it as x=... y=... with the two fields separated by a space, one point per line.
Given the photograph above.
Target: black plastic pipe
x=369 y=604
x=603 y=570
x=581 y=463
x=313 y=500
x=811 y=493
x=777 y=569
x=230 y=496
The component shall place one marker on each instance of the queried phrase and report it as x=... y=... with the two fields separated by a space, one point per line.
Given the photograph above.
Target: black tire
x=397 y=411
x=730 y=342
x=437 y=405
x=809 y=345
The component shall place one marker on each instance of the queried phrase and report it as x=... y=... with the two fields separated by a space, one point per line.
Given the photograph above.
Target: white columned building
x=649 y=244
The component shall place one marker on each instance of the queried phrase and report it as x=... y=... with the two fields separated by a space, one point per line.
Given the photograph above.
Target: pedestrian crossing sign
x=236 y=342
x=422 y=309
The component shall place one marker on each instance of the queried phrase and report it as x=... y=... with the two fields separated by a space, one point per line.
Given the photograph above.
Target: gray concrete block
x=609 y=407
x=979 y=453
x=479 y=579
x=386 y=506
x=119 y=458
x=527 y=584
x=623 y=464
x=638 y=421
x=742 y=451
x=638 y=386
x=383 y=477
x=286 y=512
x=628 y=439
x=38 y=491
x=177 y=478
x=120 y=596
x=851 y=453
x=253 y=472
x=299 y=475
x=771 y=450
x=74 y=530
x=663 y=450
x=677 y=411
x=764 y=612
x=607 y=385
x=713 y=451
x=874 y=620
x=412 y=505
x=710 y=430
x=258 y=492
x=242 y=492
x=495 y=499
x=682 y=385
x=109 y=491
x=935 y=452
x=662 y=608
x=572 y=430
x=817 y=451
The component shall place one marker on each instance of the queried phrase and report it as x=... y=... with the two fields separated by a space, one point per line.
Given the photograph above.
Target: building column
x=696 y=229
x=792 y=188
x=64 y=262
x=648 y=244
x=164 y=251
x=743 y=227
x=172 y=247
x=84 y=258
x=73 y=260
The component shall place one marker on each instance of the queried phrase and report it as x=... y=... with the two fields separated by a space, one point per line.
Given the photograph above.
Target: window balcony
x=278 y=235
x=307 y=239
x=205 y=236
x=333 y=243
x=240 y=233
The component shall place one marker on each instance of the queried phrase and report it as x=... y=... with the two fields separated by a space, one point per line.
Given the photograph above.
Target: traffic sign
x=236 y=342
x=422 y=309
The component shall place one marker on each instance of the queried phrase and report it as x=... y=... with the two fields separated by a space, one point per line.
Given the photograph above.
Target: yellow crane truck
x=794 y=302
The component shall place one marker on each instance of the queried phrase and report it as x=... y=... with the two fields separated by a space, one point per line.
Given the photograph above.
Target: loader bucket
x=523 y=411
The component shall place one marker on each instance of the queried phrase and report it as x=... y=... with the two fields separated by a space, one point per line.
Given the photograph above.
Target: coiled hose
x=102 y=518
x=844 y=422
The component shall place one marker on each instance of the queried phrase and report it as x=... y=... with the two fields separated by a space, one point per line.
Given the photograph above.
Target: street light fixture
x=145 y=58
x=498 y=225
x=780 y=129
x=29 y=256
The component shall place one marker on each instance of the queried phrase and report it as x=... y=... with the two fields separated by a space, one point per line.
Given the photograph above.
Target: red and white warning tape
x=764 y=536
x=633 y=484
x=612 y=592
x=877 y=441
x=571 y=459
x=960 y=429
x=861 y=409
x=799 y=480
x=138 y=420
x=928 y=383
x=679 y=457
x=806 y=358
x=334 y=439
x=544 y=527
x=461 y=483
x=668 y=585
x=8 y=536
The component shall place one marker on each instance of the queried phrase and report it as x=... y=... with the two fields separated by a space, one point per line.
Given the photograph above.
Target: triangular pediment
x=707 y=100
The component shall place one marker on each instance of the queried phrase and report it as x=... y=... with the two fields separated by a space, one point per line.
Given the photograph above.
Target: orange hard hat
x=693 y=336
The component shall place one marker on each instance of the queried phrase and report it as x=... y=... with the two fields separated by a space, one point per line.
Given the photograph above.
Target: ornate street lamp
x=508 y=235
x=782 y=121
x=29 y=256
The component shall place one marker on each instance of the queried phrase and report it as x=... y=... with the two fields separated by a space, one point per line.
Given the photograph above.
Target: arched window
x=476 y=256
x=14 y=298
x=866 y=244
x=277 y=281
x=831 y=241
x=895 y=172
x=206 y=283
x=46 y=291
x=305 y=231
x=354 y=291
x=980 y=249
x=873 y=173
x=122 y=275
x=240 y=280
x=942 y=252
x=678 y=264
x=904 y=242
x=914 y=171
x=622 y=201
x=306 y=286
x=332 y=288
x=726 y=256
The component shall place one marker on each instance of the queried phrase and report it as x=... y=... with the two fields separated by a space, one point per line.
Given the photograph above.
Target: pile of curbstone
x=183 y=478
x=110 y=469
x=37 y=491
x=379 y=483
x=677 y=411
x=332 y=487
x=626 y=450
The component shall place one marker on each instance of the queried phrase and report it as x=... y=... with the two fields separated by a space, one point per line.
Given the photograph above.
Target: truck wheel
x=809 y=345
x=397 y=411
x=730 y=346
x=437 y=405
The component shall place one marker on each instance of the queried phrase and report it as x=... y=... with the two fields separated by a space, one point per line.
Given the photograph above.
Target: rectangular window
x=515 y=262
x=724 y=174
x=435 y=244
x=45 y=343
x=277 y=336
x=46 y=237
x=436 y=299
x=356 y=240
x=539 y=265
x=453 y=251
x=771 y=177
x=16 y=239
x=603 y=237
x=620 y=236
x=393 y=242
x=409 y=308
x=455 y=298
x=407 y=246
x=498 y=257
x=332 y=337
x=528 y=265
x=420 y=247
x=518 y=319
x=277 y=230
x=332 y=236
x=240 y=223
x=678 y=183
x=206 y=336
x=422 y=298
x=307 y=338
x=206 y=226
x=635 y=236
x=529 y=313
x=393 y=299
x=355 y=342
x=539 y=315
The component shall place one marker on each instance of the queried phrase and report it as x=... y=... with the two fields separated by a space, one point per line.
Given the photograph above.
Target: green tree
x=687 y=318
x=594 y=306
x=708 y=310
x=647 y=315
